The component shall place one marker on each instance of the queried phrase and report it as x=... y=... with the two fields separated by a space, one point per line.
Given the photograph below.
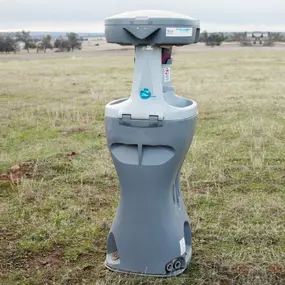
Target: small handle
x=152 y=122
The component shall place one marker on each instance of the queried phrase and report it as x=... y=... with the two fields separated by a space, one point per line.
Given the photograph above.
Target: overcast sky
x=88 y=15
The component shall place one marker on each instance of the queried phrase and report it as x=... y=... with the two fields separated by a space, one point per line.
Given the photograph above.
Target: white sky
x=88 y=15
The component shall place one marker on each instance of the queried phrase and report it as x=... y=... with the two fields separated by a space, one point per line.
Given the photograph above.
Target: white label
x=167 y=74
x=182 y=246
x=179 y=32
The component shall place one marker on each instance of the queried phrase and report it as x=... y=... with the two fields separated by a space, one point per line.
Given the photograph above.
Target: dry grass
x=57 y=210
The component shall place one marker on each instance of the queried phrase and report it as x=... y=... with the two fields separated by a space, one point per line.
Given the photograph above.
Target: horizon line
x=96 y=32
x=98 y=27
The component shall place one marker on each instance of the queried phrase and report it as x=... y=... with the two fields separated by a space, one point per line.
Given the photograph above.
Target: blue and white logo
x=145 y=94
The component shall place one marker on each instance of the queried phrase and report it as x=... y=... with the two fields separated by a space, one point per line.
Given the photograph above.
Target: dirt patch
x=17 y=173
x=240 y=269
x=31 y=169
x=47 y=261
x=71 y=154
x=31 y=262
x=68 y=156
x=277 y=269
x=7 y=236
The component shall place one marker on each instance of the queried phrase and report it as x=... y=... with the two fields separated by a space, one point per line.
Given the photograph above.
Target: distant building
x=257 y=37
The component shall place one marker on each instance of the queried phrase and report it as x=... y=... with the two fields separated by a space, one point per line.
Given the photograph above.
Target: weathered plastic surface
x=151 y=229
x=152 y=27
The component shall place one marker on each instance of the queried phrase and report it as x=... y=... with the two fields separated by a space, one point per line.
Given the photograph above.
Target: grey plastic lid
x=152 y=27
x=153 y=17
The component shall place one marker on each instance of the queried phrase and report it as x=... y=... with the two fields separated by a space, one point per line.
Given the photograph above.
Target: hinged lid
x=152 y=27
x=151 y=17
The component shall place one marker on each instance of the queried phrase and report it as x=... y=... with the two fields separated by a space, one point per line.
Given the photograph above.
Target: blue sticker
x=145 y=93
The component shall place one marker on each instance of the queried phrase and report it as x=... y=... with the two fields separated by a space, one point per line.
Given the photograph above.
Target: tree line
x=216 y=39
x=11 y=42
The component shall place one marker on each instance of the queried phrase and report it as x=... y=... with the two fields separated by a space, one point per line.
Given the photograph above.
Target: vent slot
x=187 y=237
x=112 y=250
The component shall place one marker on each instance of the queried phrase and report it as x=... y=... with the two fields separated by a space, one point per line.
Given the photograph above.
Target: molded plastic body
x=149 y=134
x=151 y=228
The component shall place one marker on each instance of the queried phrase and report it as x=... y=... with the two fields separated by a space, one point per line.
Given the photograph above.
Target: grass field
x=59 y=189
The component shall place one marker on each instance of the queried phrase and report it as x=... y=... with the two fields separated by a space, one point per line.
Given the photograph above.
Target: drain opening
x=177 y=264
x=169 y=267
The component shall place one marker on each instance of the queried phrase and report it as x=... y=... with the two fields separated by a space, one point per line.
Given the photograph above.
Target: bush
x=215 y=40
x=8 y=43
